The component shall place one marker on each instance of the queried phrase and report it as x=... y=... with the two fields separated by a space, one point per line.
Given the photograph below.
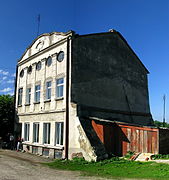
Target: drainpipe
x=67 y=98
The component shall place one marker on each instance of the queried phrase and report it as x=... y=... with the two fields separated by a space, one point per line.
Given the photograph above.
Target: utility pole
x=38 y=25
x=164 y=99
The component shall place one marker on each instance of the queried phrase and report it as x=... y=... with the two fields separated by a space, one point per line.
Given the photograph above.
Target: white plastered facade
x=53 y=110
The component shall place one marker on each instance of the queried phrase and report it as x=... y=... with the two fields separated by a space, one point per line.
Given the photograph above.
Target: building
x=69 y=85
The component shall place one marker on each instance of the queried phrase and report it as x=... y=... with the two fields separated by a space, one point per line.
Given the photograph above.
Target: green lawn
x=115 y=168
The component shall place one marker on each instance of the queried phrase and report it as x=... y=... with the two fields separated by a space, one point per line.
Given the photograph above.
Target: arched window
x=22 y=73
x=38 y=66
x=29 y=69
x=60 y=56
x=49 y=61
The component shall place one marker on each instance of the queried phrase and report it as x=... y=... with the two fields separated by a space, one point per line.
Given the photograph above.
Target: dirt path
x=23 y=166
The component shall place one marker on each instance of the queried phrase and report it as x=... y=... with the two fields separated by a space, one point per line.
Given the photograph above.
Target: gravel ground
x=23 y=166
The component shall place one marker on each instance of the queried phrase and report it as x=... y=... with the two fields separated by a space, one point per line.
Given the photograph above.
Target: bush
x=129 y=154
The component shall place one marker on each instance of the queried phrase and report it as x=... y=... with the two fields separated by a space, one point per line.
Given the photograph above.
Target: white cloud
x=14 y=75
x=12 y=93
x=4 y=78
x=6 y=90
x=4 y=72
x=10 y=81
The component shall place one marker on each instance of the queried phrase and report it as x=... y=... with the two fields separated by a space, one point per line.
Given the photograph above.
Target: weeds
x=160 y=156
x=129 y=154
x=115 y=167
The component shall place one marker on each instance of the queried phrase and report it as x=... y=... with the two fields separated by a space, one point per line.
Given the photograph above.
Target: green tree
x=6 y=114
x=160 y=124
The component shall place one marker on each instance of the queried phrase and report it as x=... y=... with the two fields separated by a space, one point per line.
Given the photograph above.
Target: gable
x=132 y=52
x=42 y=42
x=117 y=38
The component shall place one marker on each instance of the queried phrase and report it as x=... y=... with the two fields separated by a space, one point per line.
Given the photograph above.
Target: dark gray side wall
x=163 y=141
x=106 y=74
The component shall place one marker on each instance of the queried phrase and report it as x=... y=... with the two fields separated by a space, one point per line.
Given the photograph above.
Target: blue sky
x=144 y=24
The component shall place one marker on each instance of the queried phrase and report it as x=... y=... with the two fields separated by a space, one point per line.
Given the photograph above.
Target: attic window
x=38 y=66
x=49 y=61
x=22 y=73
x=29 y=69
x=60 y=56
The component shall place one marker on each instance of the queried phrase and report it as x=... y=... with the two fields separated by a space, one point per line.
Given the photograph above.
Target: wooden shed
x=119 y=138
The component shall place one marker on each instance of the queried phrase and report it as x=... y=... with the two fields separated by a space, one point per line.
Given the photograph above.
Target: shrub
x=129 y=154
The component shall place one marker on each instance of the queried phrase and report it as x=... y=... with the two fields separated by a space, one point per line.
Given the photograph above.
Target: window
x=37 y=93
x=60 y=56
x=48 y=90
x=38 y=66
x=36 y=132
x=29 y=69
x=20 y=92
x=46 y=133
x=59 y=87
x=22 y=73
x=28 y=95
x=49 y=61
x=26 y=131
x=59 y=133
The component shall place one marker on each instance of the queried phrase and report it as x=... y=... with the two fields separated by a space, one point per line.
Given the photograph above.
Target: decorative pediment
x=42 y=42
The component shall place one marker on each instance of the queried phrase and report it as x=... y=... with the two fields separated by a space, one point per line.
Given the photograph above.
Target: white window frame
x=37 y=93
x=59 y=133
x=28 y=95
x=26 y=131
x=20 y=95
x=48 y=90
x=59 y=88
x=46 y=133
x=36 y=132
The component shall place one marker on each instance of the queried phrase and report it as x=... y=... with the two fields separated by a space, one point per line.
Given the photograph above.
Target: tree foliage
x=160 y=124
x=6 y=114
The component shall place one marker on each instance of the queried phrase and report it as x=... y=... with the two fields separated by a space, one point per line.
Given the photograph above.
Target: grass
x=115 y=167
x=160 y=156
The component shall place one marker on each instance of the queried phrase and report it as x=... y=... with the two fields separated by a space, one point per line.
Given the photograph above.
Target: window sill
x=30 y=143
x=46 y=145
x=36 y=103
x=58 y=147
x=59 y=98
x=35 y=143
x=19 y=105
x=26 y=142
x=27 y=104
x=47 y=100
